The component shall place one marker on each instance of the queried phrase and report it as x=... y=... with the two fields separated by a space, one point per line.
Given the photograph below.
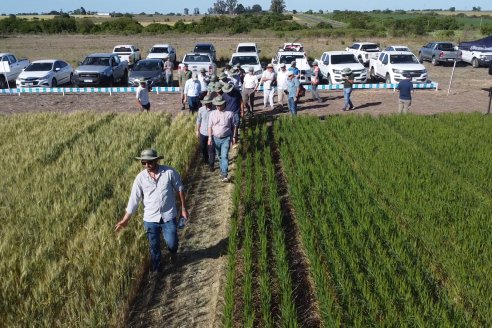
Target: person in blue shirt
x=292 y=89
x=405 y=86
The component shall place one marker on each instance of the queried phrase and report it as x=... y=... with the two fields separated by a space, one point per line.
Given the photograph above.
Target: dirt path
x=190 y=294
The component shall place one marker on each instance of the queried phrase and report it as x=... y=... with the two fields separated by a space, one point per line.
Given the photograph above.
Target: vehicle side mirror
x=325 y=62
x=137 y=49
x=259 y=50
x=57 y=69
x=275 y=62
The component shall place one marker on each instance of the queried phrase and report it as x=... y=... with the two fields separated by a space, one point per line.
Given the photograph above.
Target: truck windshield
x=343 y=59
x=196 y=58
x=39 y=67
x=203 y=48
x=246 y=49
x=146 y=66
x=403 y=59
x=122 y=49
x=288 y=59
x=159 y=50
x=370 y=47
x=100 y=61
x=245 y=60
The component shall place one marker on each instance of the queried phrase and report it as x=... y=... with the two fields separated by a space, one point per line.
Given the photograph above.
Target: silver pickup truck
x=101 y=69
x=439 y=52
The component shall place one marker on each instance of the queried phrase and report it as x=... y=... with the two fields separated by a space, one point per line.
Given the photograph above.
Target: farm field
x=392 y=214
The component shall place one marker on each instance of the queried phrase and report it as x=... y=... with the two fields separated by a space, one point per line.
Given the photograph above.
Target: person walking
x=233 y=103
x=250 y=85
x=293 y=68
x=192 y=92
x=221 y=134
x=315 y=79
x=143 y=96
x=282 y=86
x=267 y=79
x=168 y=72
x=156 y=187
x=293 y=86
x=183 y=76
x=208 y=151
x=348 y=82
x=406 y=87
x=204 y=81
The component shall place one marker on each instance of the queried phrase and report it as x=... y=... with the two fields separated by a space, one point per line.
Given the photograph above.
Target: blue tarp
x=484 y=44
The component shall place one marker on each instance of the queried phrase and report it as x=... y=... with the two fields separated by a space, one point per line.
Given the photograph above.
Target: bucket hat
x=149 y=155
x=227 y=88
x=207 y=100
x=218 y=101
x=346 y=70
x=251 y=69
x=270 y=65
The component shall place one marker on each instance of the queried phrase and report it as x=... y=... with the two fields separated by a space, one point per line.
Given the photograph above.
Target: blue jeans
x=293 y=106
x=170 y=234
x=193 y=103
x=222 y=149
x=346 y=95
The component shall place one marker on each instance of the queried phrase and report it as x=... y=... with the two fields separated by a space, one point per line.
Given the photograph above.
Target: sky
x=162 y=6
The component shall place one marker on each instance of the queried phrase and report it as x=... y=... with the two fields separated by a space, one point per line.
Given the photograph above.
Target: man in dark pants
x=233 y=103
x=156 y=187
x=208 y=151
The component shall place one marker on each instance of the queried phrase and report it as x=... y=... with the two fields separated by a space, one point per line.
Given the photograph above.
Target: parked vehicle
x=393 y=65
x=477 y=53
x=293 y=52
x=129 y=53
x=364 y=51
x=332 y=63
x=45 y=73
x=10 y=68
x=397 y=48
x=206 y=48
x=101 y=69
x=162 y=51
x=247 y=47
x=439 y=52
x=197 y=61
x=149 y=70
x=247 y=60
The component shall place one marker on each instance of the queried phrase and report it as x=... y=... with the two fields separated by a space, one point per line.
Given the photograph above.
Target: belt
x=222 y=137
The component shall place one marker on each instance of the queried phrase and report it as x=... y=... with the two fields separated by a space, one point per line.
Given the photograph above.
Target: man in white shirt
x=267 y=79
x=156 y=187
x=143 y=96
x=192 y=92
x=250 y=85
x=282 y=86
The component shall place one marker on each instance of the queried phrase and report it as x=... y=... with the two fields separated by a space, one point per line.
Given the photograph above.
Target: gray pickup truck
x=101 y=69
x=439 y=52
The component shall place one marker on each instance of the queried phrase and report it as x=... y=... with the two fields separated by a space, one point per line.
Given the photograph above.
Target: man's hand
x=122 y=223
x=184 y=213
x=210 y=141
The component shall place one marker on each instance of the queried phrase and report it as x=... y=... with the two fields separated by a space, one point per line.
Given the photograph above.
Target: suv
x=247 y=60
x=247 y=47
x=206 y=48
x=197 y=61
x=162 y=51
x=293 y=52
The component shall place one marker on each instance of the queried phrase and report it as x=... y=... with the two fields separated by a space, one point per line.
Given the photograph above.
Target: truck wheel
x=434 y=61
x=388 y=79
x=124 y=79
x=475 y=63
x=54 y=84
x=3 y=83
x=360 y=60
x=372 y=76
x=110 y=82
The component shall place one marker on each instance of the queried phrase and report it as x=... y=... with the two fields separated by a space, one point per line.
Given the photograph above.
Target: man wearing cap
x=267 y=79
x=156 y=187
x=293 y=68
x=233 y=103
x=348 y=81
x=192 y=90
x=221 y=134
x=293 y=86
x=250 y=85
x=183 y=75
x=224 y=79
x=168 y=72
x=143 y=96
x=282 y=86
x=208 y=151
x=406 y=87
x=315 y=76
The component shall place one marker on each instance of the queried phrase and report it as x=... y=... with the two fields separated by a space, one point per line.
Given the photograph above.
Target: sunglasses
x=147 y=162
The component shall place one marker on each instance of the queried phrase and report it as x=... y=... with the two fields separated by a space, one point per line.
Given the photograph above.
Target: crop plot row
x=67 y=179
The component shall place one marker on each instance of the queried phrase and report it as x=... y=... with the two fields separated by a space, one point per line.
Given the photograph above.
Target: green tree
x=277 y=6
x=256 y=8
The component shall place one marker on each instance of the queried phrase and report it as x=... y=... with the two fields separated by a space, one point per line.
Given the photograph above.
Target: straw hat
x=149 y=155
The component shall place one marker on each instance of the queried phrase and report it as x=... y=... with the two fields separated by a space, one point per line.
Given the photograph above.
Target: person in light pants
x=282 y=98
x=267 y=79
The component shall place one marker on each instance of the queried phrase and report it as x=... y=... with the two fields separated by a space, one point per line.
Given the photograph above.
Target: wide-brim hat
x=270 y=65
x=315 y=63
x=207 y=100
x=234 y=70
x=222 y=75
x=218 y=101
x=282 y=65
x=290 y=73
x=202 y=69
x=149 y=155
x=227 y=88
x=346 y=70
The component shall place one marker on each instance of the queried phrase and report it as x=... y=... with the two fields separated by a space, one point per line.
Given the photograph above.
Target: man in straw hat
x=348 y=82
x=143 y=96
x=221 y=134
x=156 y=187
x=208 y=151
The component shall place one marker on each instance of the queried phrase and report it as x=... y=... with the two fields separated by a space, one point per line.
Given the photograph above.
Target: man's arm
x=135 y=197
x=184 y=211
x=123 y=222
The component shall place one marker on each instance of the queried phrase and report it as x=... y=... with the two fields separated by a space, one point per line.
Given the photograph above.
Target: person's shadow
x=366 y=105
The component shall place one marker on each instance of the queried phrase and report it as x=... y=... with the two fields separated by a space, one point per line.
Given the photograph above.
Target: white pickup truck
x=477 y=58
x=289 y=53
x=128 y=52
x=10 y=68
x=332 y=63
x=364 y=51
x=393 y=65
